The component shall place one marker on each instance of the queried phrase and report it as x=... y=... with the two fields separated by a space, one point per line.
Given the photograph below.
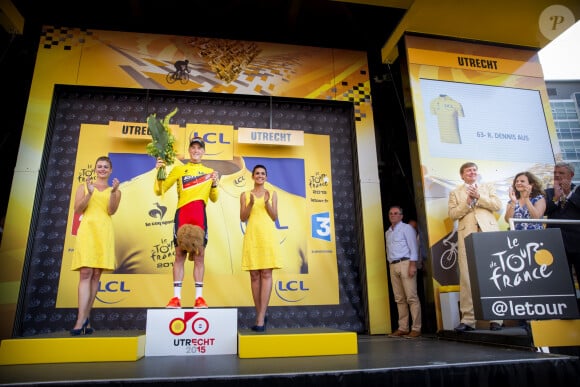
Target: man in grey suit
x=563 y=202
x=473 y=205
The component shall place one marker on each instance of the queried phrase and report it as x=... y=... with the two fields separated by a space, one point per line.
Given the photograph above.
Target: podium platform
x=127 y=346
x=191 y=332
x=60 y=347
x=288 y=342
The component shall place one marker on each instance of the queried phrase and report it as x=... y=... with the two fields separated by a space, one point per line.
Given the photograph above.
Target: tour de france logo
x=520 y=264
x=199 y=325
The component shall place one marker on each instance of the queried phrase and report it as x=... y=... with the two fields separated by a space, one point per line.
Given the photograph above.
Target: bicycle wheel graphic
x=448 y=258
x=177 y=326
x=200 y=326
x=184 y=78
x=171 y=77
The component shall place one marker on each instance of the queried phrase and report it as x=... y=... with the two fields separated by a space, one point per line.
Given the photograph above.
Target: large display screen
x=485 y=122
x=496 y=116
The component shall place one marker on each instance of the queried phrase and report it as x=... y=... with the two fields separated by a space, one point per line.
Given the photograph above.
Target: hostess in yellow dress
x=95 y=241
x=261 y=247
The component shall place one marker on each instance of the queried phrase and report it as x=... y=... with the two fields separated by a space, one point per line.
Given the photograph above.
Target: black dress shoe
x=463 y=328
x=495 y=326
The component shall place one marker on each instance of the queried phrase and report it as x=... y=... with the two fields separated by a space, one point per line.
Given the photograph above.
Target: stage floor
x=434 y=360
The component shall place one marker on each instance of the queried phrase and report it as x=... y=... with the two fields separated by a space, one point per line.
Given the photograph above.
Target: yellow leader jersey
x=447 y=110
x=194 y=182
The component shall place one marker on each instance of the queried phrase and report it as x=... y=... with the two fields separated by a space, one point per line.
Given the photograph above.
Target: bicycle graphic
x=180 y=74
x=449 y=256
x=199 y=326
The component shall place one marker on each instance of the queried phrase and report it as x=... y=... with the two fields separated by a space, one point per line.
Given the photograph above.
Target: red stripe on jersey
x=191 y=181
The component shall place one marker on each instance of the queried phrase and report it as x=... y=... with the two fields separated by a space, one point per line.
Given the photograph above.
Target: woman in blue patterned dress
x=527 y=201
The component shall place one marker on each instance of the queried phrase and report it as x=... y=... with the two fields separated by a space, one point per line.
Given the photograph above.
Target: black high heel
x=84 y=330
x=88 y=330
x=260 y=328
x=81 y=330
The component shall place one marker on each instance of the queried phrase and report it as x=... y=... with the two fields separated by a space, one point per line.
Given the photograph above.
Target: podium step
x=60 y=347
x=556 y=333
x=289 y=342
x=111 y=346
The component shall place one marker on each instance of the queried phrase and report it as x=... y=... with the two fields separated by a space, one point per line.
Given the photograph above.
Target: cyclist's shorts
x=192 y=213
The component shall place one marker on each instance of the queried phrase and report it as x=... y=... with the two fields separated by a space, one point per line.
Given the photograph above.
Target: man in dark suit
x=563 y=202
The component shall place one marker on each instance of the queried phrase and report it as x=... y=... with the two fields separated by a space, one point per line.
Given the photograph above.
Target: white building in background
x=565 y=104
x=560 y=62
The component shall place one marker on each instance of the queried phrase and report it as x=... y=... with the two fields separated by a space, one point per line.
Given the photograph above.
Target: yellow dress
x=261 y=245
x=95 y=242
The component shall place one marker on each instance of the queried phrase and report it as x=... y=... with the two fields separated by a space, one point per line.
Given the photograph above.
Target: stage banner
x=520 y=275
x=144 y=64
x=144 y=246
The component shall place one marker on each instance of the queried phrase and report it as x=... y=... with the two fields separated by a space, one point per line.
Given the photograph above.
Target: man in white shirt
x=402 y=248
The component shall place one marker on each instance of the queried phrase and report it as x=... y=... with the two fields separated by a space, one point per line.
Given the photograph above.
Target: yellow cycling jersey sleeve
x=193 y=181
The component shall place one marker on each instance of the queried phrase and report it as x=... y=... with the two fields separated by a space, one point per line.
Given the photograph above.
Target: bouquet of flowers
x=163 y=141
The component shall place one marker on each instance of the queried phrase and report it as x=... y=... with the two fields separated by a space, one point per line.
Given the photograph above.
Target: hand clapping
x=115 y=184
x=512 y=195
x=90 y=185
x=525 y=194
x=472 y=191
x=565 y=186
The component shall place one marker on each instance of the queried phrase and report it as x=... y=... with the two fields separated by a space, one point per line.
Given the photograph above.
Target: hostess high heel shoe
x=84 y=330
x=260 y=328
x=88 y=330
x=81 y=330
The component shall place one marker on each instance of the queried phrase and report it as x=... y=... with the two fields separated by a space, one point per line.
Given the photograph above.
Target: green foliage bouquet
x=163 y=141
